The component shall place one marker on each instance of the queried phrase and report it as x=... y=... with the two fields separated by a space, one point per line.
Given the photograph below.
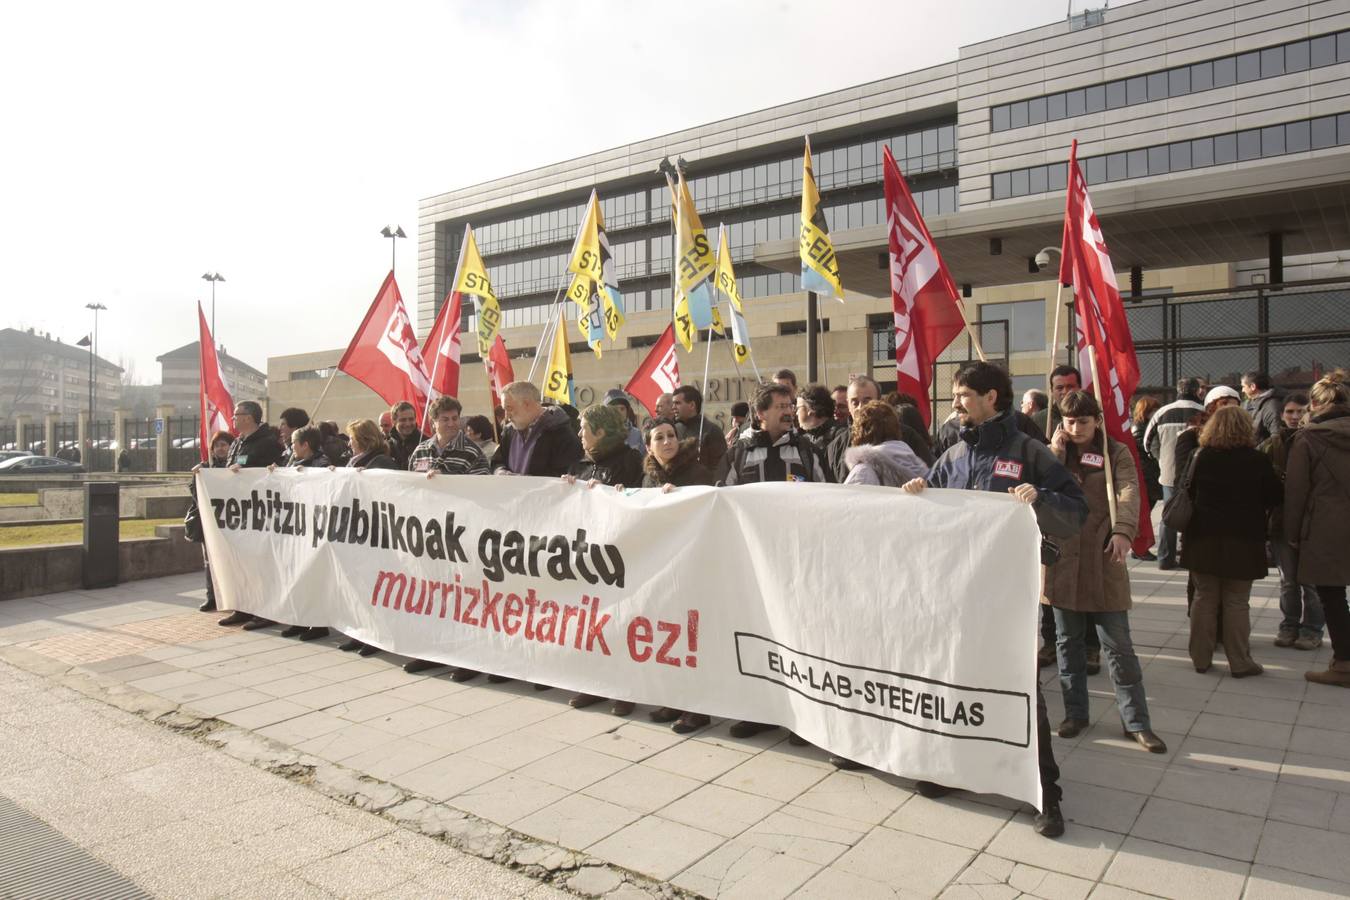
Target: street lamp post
x=213 y=277
x=393 y=232
x=93 y=351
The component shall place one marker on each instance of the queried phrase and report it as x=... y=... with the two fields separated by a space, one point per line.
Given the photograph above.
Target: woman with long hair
x=671 y=464
x=1089 y=586
x=1316 y=510
x=1234 y=488
x=1144 y=408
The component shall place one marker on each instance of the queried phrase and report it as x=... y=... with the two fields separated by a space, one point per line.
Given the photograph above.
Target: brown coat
x=1084 y=579
x=1317 y=498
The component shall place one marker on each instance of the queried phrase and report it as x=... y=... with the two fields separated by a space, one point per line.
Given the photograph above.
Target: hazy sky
x=148 y=143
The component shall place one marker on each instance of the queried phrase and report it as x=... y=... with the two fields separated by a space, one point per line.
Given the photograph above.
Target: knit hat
x=1220 y=391
x=611 y=421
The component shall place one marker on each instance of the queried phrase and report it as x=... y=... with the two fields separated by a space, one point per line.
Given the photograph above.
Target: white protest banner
x=895 y=630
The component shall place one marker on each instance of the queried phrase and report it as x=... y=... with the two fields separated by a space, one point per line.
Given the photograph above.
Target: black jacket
x=556 y=447
x=1233 y=493
x=401 y=449
x=1265 y=411
x=714 y=445
x=756 y=459
x=372 y=460
x=259 y=450
x=685 y=470
x=621 y=465
x=997 y=455
x=950 y=431
x=318 y=461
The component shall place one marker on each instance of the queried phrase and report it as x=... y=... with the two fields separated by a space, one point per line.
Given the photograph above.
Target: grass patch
x=29 y=535
x=19 y=499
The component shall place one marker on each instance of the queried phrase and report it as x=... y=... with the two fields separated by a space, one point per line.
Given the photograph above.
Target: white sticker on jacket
x=1096 y=460
x=1007 y=468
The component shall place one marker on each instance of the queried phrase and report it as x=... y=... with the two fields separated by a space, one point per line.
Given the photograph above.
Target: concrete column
x=21 y=424
x=162 y=413
x=119 y=437
x=82 y=440
x=49 y=432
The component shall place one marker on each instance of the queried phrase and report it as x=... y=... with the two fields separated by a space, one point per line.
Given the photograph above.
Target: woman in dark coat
x=369 y=451
x=607 y=460
x=1234 y=488
x=1316 y=510
x=671 y=464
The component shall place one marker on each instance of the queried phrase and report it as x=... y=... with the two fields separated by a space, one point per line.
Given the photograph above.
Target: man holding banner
x=993 y=455
x=538 y=440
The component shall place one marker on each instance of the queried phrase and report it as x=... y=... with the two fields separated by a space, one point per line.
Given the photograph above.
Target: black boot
x=1049 y=822
x=293 y=631
x=313 y=634
x=236 y=618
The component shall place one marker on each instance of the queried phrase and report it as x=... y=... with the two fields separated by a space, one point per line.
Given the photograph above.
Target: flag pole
x=970 y=329
x=314 y=414
x=547 y=331
x=1106 y=438
x=1054 y=352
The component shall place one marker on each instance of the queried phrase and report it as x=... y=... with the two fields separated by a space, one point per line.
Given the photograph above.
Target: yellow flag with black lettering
x=726 y=283
x=595 y=287
x=473 y=279
x=694 y=263
x=684 y=324
x=820 y=265
x=558 y=376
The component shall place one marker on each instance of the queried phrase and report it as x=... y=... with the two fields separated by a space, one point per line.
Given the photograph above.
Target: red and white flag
x=499 y=371
x=1101 y=324
x=216 y=404
x=659 y=373
x=383 y=354
x=440 y=350
x=926 y=305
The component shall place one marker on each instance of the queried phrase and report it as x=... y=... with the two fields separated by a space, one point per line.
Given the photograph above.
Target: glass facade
x=758 y=201
x=1270 y=62
x=1238 y=146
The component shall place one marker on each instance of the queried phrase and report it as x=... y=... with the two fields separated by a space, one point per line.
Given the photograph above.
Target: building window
x=1268 y=62
x=1025 y=326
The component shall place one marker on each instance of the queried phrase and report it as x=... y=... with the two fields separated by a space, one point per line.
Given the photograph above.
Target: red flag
x=215 y=402
x=659 y=373
x=1101 y=324
x=499 y=371
x=440 y=349
x=926 y=306
x=383 y=354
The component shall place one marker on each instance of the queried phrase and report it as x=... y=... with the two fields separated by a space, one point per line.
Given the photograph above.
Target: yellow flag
x=820 y=266
x=580 y=292
x=716 y=321
x=585 y=260
x=726 y=276
x=684 y=324
x=694 y=252
x=595 y=286
x=613 y=314
x=473 y=279
x=558 y=376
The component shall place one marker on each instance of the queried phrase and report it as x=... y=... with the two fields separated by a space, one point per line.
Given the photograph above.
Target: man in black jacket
x=691 y=423
x=405 y=435
x=995 y=455
x=1262 y=403
x=537 y=440
x=257 y=447
x=861 y=391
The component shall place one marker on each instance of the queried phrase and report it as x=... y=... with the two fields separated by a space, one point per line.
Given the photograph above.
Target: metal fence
x=184 y=442
x=1296 y=332
x=8 y=437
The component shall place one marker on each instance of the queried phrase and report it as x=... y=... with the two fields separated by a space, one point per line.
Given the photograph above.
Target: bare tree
x=129 y=377
x=19 y=390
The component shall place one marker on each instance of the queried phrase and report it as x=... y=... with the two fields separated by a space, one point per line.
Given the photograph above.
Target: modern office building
x=1214 y=134
x=180 y=378
x=42 y=375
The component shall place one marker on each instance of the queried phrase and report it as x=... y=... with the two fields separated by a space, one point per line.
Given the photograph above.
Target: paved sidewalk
x=1252 y=799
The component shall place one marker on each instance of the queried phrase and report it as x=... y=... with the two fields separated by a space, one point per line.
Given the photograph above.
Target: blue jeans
x=1126 y=674
x=1167 y=538
x=1299 y=602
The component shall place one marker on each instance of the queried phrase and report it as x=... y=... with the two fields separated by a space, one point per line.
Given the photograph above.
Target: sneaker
x=932 y=790
x=1337 y=674
x=750 y=729
x=1049 y=822
x=1094 y=660
x=690 y=722
x=1286 y=637
x=1308 y=642
x=1072 y=728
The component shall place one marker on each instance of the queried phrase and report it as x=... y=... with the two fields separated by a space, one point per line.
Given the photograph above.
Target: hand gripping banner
x=909 y=650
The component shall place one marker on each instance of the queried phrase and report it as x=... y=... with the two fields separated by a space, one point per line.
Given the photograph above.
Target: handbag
x=1179 y=508
x=192 y=524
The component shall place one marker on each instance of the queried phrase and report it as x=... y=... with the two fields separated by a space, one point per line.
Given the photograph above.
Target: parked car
x=38 y=465
x=13 y=454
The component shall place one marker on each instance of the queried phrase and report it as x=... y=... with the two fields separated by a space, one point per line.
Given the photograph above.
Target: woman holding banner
x=369 y=451
x=1090 y=586
x=610 y=461
x=672 y=464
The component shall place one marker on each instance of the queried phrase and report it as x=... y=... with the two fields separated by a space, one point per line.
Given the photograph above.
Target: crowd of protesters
x=1268 y=476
